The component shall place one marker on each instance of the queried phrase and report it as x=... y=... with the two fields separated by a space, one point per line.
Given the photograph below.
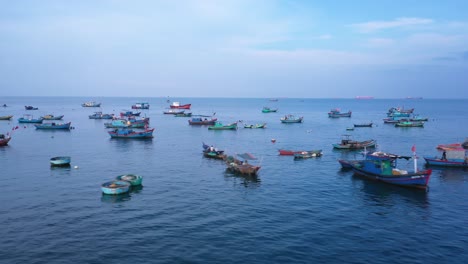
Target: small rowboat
x=115 y=187
x=60 y=161
x=133 y=179
x=8 y=117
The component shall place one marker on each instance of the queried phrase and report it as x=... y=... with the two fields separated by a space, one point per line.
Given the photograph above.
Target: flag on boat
x=413 y=148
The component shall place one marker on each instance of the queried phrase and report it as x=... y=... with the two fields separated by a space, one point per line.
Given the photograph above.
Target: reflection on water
x=248 y=181
x=60 y=170
x=451 y=174
x=129 y=144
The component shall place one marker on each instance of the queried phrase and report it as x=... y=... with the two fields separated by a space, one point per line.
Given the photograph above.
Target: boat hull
x=446 y=163
x=413 y=180
x=60 y=161
x=133 y=179
x=184 y=106
x=24 y=120
x=53 y=126
x=202 y=122
x=130 y=134
x=4 y=141
x=115 y=187
x=356 y=145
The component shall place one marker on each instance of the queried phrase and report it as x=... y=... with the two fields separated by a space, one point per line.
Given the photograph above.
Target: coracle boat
x=308 y=154
x=242 y=167
x=133 y=179
x=4 y=140
x=52 y=117
x=364 y=125
x=291 y=119
x=28 y=107
x=30 y=119
x=287 y=152
x=455 y=157
x=53 y=125
x=220 y=126
x=8 y=117
x=130 y=133
x=409 y=124
x=269 y=110
x=91 y=104
x=115 y=187
x=177 y=105
x=141 y=106
x=100 y=115
x=60 y=161
x=347 y=143
x=255 y=126
x=199 y=121
x=335 y=113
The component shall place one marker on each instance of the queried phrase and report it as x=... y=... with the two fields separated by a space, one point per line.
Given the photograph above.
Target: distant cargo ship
x=411 y=97
x=364 y=97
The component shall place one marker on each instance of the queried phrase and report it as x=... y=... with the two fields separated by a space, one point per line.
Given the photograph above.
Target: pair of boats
x=54 y=125
x=141 y=106
x=91 y=104
x=122 y=184
x=177 y=105
x=100 y=115
x=219 y=126
x=4 y=139
x=291 y=119
x=336 y=112
x=348 y=143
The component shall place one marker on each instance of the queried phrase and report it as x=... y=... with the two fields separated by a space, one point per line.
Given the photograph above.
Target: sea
x=190 y=210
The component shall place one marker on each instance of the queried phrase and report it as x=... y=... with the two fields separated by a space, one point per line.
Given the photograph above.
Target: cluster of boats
x=401 y=117
x=234 y=165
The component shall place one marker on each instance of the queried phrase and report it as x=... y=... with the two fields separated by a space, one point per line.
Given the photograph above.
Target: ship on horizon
x=364 y=97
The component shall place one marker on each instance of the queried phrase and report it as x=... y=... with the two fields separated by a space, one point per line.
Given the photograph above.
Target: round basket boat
x=133 y=179
x=115 y=187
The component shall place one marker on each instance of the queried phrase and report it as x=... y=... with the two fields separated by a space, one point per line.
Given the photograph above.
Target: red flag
x=413 y=148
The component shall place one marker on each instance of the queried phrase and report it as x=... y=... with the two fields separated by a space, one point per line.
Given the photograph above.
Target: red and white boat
x=177 y=105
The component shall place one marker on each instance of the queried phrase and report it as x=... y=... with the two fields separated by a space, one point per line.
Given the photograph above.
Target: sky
x=234 y=48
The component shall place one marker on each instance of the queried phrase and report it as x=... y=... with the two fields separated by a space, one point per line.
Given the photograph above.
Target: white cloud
x=372 y=26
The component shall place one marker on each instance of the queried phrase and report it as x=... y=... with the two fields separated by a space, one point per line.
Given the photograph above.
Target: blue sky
x=234 y=48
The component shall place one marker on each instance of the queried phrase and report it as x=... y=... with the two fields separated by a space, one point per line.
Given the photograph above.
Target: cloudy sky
x=234 y=48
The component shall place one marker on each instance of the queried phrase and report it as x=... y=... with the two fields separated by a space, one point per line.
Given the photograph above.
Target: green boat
x=220 y=126
x=410 y=124
x=133 y=179
x=269 y=110
x=255 y=126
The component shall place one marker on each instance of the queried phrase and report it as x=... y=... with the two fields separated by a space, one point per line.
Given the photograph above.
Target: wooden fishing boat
x=141 y=106
x=348 y=143
x=255 y=126
x=287 y=152
x=100 y=115
x=131 y=134
x=364 y=125
x=214 y=154
x=177 y=105
x=199 y=121
x=53 y=125
x=115 y=187
x=60 y=161
x=242 y=167
x=376 y=155
x=91 y=104
x=409 y=124
x=52 y=117
x=8 y=117
x=220 y=126
x=4 y=139
x=308 y=154
x=291 y=119
x=133 y=179
x=335 y=113
x=129 y=113
x=173 y=112
x=183 y=115
x=455 y=157
x=28 y=107
x=30 y=119
x=269 y=110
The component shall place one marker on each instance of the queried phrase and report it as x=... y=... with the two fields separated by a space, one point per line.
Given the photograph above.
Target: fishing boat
x=269 y=110
x=52 y=117
x=308 y=154
x=100 y=115
x=255 y=126
x=409 y=124
x=91 y=104
x=177 y=105
x=124 y=123
x=60 y=161
x=141 y=106
x=383 y=170
x=394 y=120
x=364 y=125
x=134 y=180
x=347 y=164
x=220 y=126
x=115 y=187
x=417 y=118
x=242 y=167
x=183 y=115
x=28 y=107
x=130 y=133
x=350 y=128
x=291 y=119
x=348 y=143
x=30 y=119
x=336 y=112
x=287 y=152
x=8 y=117
x=199 y=121
x=455 y=157
x=129 y=113
x=213 y=153
x=399 y=110
x=173 y=112
x=53 y=125
x=4 y=139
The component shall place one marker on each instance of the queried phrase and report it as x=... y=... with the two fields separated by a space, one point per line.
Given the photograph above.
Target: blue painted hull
x=130 y=134
x=24 y=120
x=115 y=187
x=53 y=126
x=446 y=163
x=414 y=180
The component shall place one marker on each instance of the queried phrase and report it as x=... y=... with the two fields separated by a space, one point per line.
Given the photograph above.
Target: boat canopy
x=455 y=153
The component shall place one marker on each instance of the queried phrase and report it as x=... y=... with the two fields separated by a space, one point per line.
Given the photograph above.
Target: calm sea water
x=190 y=210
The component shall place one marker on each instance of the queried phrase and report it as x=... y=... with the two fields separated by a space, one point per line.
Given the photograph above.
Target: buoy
x=273 y=140
x=76 y=167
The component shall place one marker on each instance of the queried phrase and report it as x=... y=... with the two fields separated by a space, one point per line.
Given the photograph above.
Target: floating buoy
x=273 y=140
x=76 y=167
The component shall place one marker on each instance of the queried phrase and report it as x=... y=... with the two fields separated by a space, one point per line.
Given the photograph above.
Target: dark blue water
x=190 y=210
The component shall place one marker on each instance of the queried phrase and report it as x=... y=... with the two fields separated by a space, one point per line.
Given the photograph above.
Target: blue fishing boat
x=60 y=161
x=336 y=112
x=291 y=119
x=53 y=125
x=130 y=133
x=201 y=122
x=30 y=119
x=123 y=123
x=115 y=187
x=130 y=113
x=455 y=157
x=133 y=179
x=100 y=115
